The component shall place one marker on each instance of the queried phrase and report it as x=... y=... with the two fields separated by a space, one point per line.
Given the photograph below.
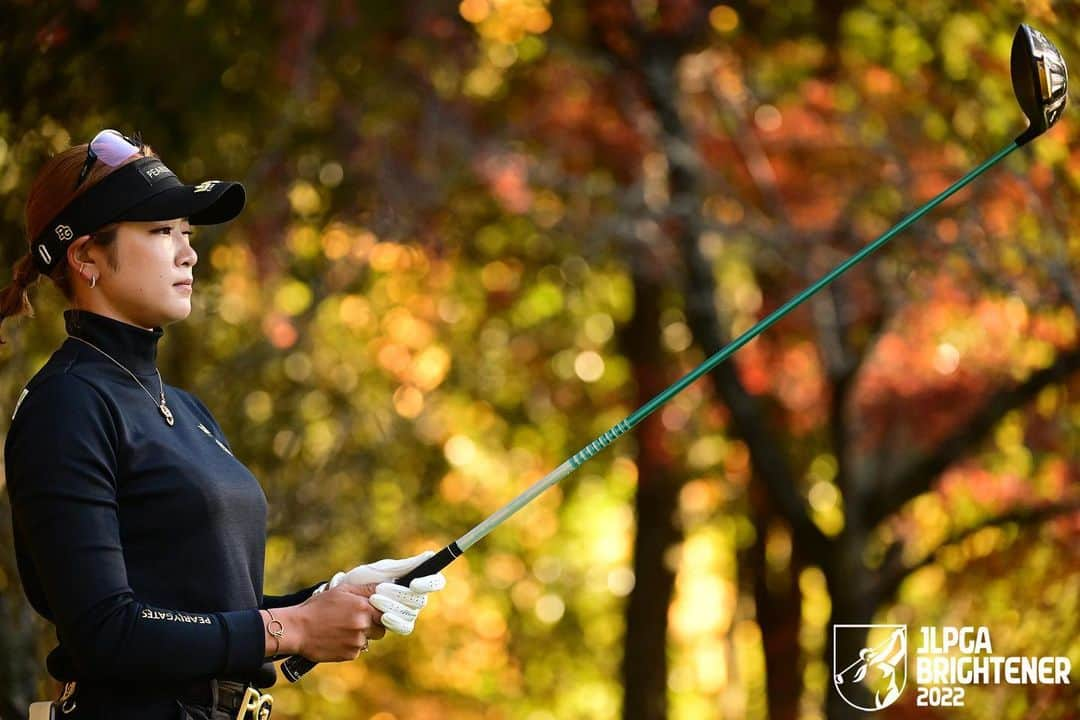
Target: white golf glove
x=400 y=605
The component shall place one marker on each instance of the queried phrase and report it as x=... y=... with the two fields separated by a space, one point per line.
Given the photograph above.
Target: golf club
x=1040 y=82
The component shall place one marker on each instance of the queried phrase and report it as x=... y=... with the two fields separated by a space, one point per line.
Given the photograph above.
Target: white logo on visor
x=64 y=233
x=206 y=186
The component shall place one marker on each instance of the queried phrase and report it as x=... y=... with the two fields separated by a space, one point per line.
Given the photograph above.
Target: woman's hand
x=332 y=626
x=400 y=605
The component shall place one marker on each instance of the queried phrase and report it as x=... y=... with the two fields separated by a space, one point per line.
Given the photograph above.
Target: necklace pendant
x=167 y=413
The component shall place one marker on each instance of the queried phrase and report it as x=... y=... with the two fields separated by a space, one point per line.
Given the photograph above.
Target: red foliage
x=507 y=177
x=52 y=35
x=578 y=119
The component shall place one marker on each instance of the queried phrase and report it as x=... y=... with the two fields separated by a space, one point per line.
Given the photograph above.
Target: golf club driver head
x=1039 y=79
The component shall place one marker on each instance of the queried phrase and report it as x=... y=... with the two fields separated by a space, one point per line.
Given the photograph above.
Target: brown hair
x=52 y=190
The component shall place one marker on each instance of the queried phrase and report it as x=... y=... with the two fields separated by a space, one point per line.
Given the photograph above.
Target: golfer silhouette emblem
x=880 y=669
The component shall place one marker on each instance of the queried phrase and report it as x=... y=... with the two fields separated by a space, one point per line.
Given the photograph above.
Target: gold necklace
x=161 y=405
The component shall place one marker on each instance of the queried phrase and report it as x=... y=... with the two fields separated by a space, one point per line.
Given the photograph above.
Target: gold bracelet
x=277 y=633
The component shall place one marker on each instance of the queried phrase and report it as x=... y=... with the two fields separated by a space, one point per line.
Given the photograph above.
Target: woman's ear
x=76 y=252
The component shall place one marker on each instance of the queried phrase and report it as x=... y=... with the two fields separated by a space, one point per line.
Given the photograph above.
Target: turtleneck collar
x=132 y=346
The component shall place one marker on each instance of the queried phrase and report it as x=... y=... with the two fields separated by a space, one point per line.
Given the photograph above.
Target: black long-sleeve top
x=142 y=542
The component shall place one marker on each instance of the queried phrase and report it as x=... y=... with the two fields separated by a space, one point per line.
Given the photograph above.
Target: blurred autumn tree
x=481 y=234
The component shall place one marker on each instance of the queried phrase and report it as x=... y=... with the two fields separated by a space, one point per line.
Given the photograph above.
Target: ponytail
x=15 y=298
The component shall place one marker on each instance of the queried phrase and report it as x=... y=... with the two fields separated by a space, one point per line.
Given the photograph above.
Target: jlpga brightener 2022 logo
x=882 y=669
x=948 y=660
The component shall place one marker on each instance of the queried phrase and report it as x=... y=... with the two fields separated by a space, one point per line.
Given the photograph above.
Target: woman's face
x=153 y=260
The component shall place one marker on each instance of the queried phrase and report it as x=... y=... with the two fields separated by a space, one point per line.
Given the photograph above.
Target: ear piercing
x=93 y=280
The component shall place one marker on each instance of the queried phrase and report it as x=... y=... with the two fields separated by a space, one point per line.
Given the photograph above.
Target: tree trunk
x=779 y=608
x=778 y=605
x=645 y=669
x=854 y=601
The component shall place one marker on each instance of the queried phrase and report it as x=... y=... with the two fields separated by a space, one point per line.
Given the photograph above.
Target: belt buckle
x=258 y=703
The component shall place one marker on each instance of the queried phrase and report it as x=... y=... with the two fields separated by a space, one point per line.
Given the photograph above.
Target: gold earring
x=93 y=281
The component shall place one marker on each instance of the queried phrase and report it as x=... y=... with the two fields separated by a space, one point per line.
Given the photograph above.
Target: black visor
x=140 y=191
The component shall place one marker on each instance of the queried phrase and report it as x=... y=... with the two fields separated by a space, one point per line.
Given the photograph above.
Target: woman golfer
x=137 y=532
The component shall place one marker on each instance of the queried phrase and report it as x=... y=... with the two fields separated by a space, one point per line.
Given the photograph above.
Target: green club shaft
x=623 y=426
x=296 y=666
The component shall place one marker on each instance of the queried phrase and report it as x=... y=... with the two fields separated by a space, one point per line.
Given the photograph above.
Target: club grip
x=296 y=666
x=432 y=565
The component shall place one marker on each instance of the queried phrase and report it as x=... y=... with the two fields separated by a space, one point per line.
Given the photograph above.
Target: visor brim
x=201 y=205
